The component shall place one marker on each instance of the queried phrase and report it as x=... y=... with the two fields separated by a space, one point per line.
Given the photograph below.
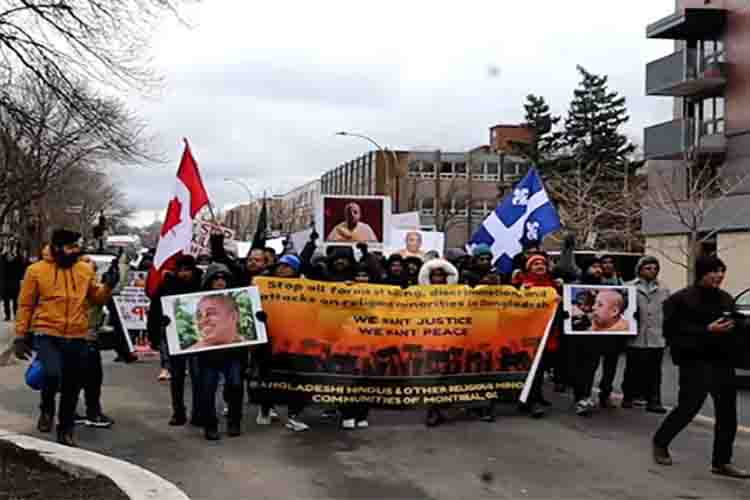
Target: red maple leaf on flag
x=172 y=219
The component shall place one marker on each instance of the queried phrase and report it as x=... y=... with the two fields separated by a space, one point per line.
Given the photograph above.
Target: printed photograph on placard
x=416 y=243
x=600 y=310
x=355 y=219
x=218 y=319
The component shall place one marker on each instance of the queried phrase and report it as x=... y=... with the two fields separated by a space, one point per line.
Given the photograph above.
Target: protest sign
x=218 y=319
x=335 y=343
x=600 y=310
x=132 y=306
x=347 y=220
x=415 y=243
x=406 y=220
x=201 y=243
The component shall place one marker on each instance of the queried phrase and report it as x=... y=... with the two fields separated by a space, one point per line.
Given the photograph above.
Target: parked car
x=742 y=302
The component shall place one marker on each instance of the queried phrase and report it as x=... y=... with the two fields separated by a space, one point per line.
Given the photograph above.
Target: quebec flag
x=523 y=216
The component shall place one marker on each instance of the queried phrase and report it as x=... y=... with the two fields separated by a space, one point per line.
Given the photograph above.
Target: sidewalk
x=561 y=456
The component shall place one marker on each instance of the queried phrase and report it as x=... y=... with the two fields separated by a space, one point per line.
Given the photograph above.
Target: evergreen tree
x=592 y=133
x=546 y=141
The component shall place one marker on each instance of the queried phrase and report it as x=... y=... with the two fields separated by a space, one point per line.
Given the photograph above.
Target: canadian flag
x=176 y=232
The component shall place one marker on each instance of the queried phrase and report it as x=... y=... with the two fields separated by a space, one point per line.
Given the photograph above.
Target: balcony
x=683 y=74
x=675 y=139
x=689 y=24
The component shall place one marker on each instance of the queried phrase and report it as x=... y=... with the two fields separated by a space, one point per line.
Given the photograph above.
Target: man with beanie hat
x=698 y=325
x=53 y=315
x=645 y=351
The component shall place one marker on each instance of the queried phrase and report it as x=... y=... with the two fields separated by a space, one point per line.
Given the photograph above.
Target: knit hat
x=482 y=249
x=535 y=258
x=215 y=270
x=291 y=261
x=454 y=255
x=707 y=264
x=646 y=260
x=61 y=237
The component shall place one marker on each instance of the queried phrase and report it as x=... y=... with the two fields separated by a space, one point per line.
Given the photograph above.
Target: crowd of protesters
x=694 y=322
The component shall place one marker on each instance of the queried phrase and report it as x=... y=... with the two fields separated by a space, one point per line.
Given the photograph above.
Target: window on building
x=446 y=170
x=459 y=206
x=711 y=52
x=711 y=116
x=492 y=170
x=414 y=169
x=428 y=170
x=427 y=206
x=460 y=170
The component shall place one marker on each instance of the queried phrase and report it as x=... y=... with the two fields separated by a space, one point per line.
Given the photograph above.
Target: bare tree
x=36 y=155
x=62 y=42
x=690 y=198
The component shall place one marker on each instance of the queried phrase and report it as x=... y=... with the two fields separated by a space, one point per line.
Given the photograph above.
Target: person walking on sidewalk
x=698 y=324
x=53 y=315
x=645 y=352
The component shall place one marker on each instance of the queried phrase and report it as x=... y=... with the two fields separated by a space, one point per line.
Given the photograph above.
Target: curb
x=136 y=482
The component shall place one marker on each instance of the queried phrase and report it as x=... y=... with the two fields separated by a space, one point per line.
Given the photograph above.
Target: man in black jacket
x=699 y=326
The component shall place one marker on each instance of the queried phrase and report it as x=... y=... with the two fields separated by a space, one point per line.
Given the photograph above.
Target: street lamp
x=393 y=168
x=249 y=197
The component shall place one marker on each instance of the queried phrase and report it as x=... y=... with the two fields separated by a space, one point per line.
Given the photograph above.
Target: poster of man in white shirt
x=355 y=219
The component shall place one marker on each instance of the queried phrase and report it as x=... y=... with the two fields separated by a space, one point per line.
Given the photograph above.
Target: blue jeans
x=65 y=364
x=210 y=372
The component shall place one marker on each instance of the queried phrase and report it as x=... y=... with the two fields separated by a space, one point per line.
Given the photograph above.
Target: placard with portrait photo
x=600 y=310
x=217 y=319
x=416 y=243
x=348 y=220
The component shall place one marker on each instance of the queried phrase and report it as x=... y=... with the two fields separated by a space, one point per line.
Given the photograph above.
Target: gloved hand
x=314 y=235
x=165 y=321
x=261 y=316
x=112 y=277
x=22 y=348
x=362 y=247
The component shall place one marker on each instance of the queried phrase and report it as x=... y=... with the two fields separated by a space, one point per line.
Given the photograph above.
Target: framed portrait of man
x=600 y=310
x=346 y=220
x=217 y=319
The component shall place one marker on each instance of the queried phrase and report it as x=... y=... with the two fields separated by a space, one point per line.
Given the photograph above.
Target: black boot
x=212 y=434
x=234 y=429
x=66 y=438
x=178 y=419
x=45 y=422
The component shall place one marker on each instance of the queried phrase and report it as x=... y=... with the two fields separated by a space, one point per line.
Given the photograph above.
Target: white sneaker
x=349 y=424
x=583 y=408
x=273 y=414
x=295 y=425
x=263 y=419
x=363 y=424
x=226 y=411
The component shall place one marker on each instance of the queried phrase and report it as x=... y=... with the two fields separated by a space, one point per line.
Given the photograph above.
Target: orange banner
x=398 y=335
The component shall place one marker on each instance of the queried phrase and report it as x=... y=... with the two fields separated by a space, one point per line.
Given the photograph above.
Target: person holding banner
x=231 y=363
x=537 y=275
x=288 y=267
x=437 y=272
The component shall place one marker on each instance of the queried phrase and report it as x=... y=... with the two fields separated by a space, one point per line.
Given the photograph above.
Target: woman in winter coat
x=537 y=275
x=437 y=272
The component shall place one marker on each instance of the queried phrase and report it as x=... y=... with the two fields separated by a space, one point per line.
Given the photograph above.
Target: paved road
x=561 y=456
x=669 y=391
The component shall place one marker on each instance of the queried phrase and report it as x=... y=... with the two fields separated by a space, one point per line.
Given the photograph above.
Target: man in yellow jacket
x=53 y=319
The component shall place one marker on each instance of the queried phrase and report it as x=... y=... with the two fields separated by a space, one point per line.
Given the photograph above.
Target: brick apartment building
x=707 y=76
x=453 y=191
x=287 y=213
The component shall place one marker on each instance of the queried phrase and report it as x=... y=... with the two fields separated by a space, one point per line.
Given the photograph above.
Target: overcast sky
x=260 y=88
